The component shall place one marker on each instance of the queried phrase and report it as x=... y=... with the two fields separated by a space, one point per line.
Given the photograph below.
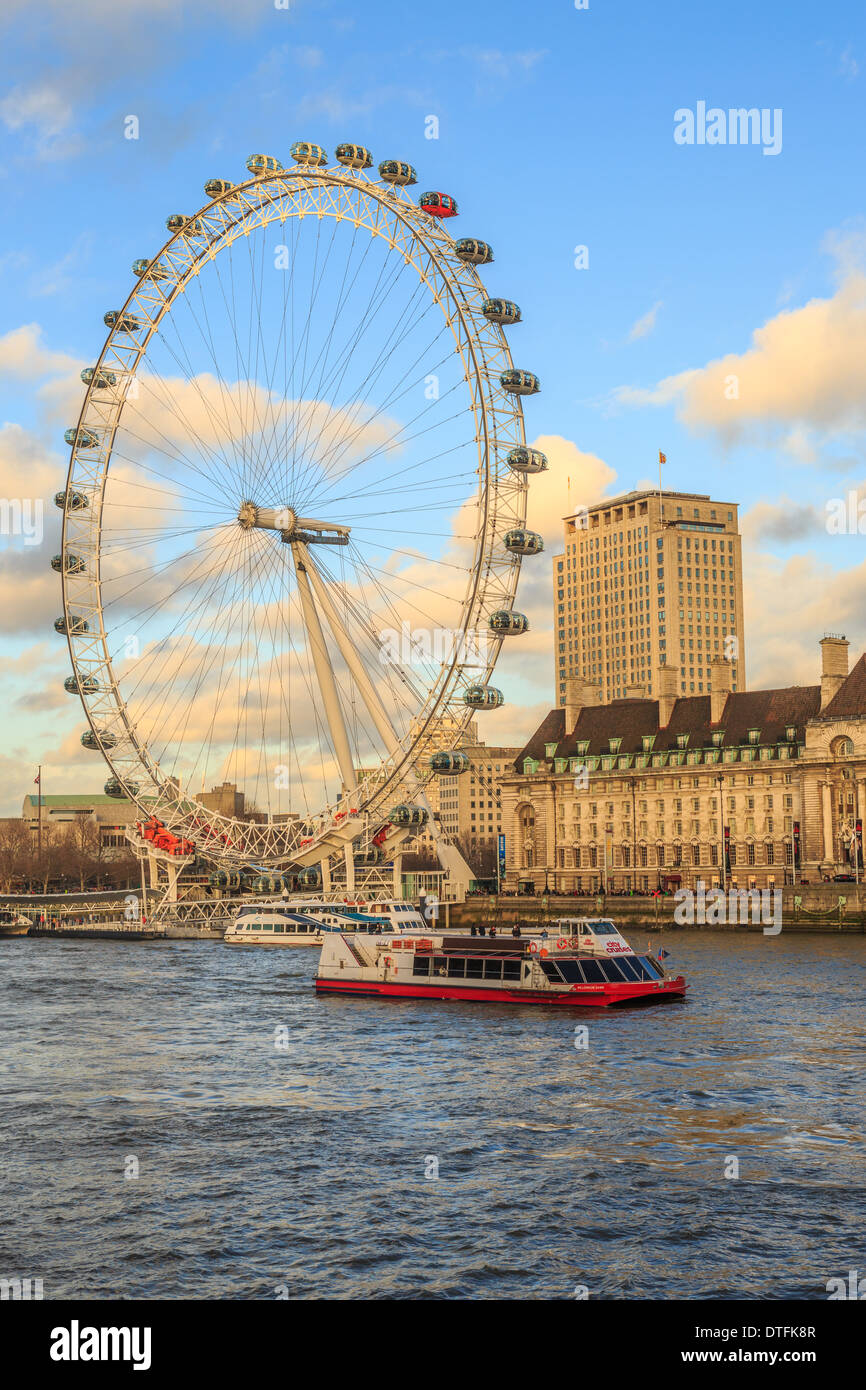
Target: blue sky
x=555 y=131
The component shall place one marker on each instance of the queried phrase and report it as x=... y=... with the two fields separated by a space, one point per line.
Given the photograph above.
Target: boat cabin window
x=603 y=928
x=653 y=970
x=592 y=972
x=421 y=965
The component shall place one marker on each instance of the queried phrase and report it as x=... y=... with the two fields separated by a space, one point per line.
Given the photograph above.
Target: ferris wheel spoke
x=354 y=424
x=332 y=475
x=192 y=378
x=335 y=384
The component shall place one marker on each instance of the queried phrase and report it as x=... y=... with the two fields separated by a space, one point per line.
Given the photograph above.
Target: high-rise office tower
x=646 y=580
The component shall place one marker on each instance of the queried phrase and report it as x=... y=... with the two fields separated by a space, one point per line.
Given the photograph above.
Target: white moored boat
x=308 y=922
x=14 y=923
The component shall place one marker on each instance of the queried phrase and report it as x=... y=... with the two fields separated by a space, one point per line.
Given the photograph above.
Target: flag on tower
x=663 y=458
x=37 y=779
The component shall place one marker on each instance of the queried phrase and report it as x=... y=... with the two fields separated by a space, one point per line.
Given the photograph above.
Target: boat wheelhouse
x=585 y=963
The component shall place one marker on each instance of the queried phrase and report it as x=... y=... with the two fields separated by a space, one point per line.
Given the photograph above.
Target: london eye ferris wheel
x=295 y=512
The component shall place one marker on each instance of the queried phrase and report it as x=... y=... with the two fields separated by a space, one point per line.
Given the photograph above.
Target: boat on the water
x=584 y=962
x=14 y=923
x=306 y=922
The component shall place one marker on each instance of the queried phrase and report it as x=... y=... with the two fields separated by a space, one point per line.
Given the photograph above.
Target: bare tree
x=15 y=854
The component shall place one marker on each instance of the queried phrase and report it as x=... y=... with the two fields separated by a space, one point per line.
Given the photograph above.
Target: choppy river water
x=186 y=1119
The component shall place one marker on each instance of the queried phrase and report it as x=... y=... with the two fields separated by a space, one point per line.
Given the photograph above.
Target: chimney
x=721 y=675
x=668 y=681
x=636 y=692
x=834 y=665
x=578 y=694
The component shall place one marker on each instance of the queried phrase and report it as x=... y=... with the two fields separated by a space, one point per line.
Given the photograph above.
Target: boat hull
x=579 y=996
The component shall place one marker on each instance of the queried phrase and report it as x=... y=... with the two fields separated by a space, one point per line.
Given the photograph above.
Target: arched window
x=842 y=747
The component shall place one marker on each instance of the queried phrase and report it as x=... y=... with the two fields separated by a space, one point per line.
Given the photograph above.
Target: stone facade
x=629 y=792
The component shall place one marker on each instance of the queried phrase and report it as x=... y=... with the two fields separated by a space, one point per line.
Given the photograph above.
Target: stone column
x=827 y=821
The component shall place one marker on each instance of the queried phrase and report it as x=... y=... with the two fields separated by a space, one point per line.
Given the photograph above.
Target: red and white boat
x=584 y=962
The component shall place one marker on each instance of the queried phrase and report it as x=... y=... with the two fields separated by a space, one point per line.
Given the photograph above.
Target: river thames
x=187 y=1120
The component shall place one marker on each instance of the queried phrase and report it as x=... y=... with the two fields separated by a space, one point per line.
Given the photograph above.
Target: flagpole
x=661 y=502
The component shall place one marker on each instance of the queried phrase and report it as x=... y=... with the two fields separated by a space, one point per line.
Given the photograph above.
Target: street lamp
x=722 y=866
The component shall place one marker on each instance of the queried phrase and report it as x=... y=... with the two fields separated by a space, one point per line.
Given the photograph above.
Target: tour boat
x=14 y=923
x=306 y=923
x=584 y=962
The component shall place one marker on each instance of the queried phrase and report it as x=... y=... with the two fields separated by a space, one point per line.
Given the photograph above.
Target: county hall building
x=758 y=787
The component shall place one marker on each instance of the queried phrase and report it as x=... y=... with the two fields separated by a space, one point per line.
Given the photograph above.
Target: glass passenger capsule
x=84 y=439
x=408 y=815
x=76 y=624
x=261 y=164
x=117 y=789
x=234 y=878
x=473 y=251
x=304 y=152
x=519 y=383
x=310 y=878
x=100 y=739
x=124 y=323
x=178 y=222
x=354 y=157
x=152 y=269
x=503 y=311
x=368 y=858
x=483 y=697
x=524 y=460
x=397 y=172
x=219 y=879
x=68 y=564
x=508 y=624
x=77 y=501
x=521 y=542
x=89 y=685
x=438 y=204
x=98 y=377
x=214 y=187
x=450 y=764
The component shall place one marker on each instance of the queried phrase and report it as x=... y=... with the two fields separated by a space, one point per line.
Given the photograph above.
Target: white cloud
x=645 y=325
x=24 y=358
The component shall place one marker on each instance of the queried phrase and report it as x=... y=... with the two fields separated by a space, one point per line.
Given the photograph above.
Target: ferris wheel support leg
x=324 y=671
x=349 y=856
x=449 y=856
x=369 y=695
x=397 y=886
x=325 y=866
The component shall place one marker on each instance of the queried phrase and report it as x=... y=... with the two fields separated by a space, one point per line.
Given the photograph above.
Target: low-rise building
x=110 y=813
x=755 y=788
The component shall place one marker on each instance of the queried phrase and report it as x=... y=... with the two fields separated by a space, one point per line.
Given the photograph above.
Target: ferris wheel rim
x=417 y=227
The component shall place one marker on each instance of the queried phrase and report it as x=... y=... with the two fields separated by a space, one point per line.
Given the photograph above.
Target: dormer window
x=754 y=735
x=549 y=750
x=791 y=732
x=613 y=744
x=648 y=740
x=583 y=747
x=682 y=740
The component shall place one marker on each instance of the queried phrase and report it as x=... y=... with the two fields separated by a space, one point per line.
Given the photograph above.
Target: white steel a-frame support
x=450 y=857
